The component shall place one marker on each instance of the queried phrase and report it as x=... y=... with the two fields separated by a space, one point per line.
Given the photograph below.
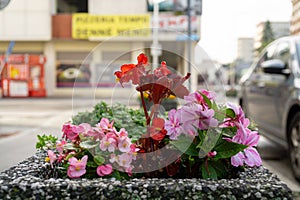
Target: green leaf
x=99 y=160
x=219 y=167
x=69 y=156
x=229 y=131
x=185 y=145
x=208 y=171
x=210 y=140
x=228 y=149
x=207 y=100
x=88 y=144
x=230 y=113
x=46 y=142
x=91 y=164
x=70 y=146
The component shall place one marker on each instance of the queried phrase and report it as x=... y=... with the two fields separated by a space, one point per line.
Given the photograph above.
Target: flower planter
x=33 y=179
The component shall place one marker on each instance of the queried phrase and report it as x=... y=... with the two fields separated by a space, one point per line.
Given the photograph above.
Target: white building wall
x=113 y=7
x=245 y=49
x=26 y=20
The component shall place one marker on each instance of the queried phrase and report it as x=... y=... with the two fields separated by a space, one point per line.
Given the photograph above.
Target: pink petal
x=238 y=159
x=252 y=157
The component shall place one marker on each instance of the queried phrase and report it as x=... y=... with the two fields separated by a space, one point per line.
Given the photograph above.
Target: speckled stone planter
x=27 y=181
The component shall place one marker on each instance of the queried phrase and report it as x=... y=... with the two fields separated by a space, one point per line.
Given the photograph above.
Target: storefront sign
x=177 y=23
x=85 y=26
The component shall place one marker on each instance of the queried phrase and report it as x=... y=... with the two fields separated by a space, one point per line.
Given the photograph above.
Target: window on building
x=72 y=6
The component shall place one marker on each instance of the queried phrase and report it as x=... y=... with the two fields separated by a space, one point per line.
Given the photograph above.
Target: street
x=21 y=120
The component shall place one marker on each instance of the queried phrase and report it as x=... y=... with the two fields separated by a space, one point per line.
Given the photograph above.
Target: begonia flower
x=157 y=131
x=162 y=70
x=104 y=170
x=109 y=142
x=105 y=125
x=124 y=145
x=52 y=156
x=60 y=146
x=77 y=167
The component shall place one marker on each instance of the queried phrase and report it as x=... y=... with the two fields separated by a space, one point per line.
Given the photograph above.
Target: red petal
x=159 y=135
x=125 y=68
x=180 y=91
x=142 y=59
x=158 y=123
x=118 y=74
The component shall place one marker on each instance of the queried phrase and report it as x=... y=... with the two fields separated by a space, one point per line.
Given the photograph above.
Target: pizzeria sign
x=85 y=26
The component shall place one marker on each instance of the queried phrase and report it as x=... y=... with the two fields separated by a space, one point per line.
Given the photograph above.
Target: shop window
x=72 y=6
x=73 y=69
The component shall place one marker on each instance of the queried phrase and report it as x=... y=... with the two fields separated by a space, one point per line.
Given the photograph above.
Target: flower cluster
x=201 y=115
x=207 y=134
x=100 y=148
x=201 y=139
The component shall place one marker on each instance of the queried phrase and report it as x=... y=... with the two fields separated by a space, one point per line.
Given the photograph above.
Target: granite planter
x=33 y=179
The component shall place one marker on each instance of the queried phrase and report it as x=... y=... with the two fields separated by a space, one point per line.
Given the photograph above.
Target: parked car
x=270 y=95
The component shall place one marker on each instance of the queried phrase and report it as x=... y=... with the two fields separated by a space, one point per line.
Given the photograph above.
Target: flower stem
x=145 y=109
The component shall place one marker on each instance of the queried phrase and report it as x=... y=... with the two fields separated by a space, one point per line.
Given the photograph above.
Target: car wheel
x=294 y=145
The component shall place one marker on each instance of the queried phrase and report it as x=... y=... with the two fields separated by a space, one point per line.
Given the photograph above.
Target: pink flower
x=211 y=154
x=51 y=156
x=77 y=167
x=109 y=142
x=72 y=131
x=196 y=116
x=60 y=146
x=124 y=145
x=128 y=170
x=196 y=97
x=249 y=156
x=105 y=125
x=104 y=170
x=133 y=151
x=238 y=120
x=173 y=126
x=68 y=131
x=122 y=134
x=124 y=160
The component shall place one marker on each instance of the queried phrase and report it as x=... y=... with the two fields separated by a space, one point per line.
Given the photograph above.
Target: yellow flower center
x=77 y=168
x=47 y=159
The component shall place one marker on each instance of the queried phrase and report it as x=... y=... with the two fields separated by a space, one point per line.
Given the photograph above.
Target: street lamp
x=155 y=47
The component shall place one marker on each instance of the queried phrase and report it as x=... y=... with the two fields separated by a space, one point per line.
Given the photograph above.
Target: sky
x=224 y=21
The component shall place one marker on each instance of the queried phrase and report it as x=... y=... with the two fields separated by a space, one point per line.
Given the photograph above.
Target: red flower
x=132 y=72
x=142 y=59
x=157 y=131
x=124 y=69
x=162 y=70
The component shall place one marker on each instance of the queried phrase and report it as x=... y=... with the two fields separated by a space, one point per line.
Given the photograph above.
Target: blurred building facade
x=245 y=56
x=86 y=41
x=279 y=29
x=295 y=21
x=245 y=49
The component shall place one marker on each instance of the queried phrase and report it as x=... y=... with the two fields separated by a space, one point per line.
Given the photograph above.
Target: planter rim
x=27 y=180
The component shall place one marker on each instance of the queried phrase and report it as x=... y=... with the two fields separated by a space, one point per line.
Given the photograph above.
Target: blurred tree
x=267 y=37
